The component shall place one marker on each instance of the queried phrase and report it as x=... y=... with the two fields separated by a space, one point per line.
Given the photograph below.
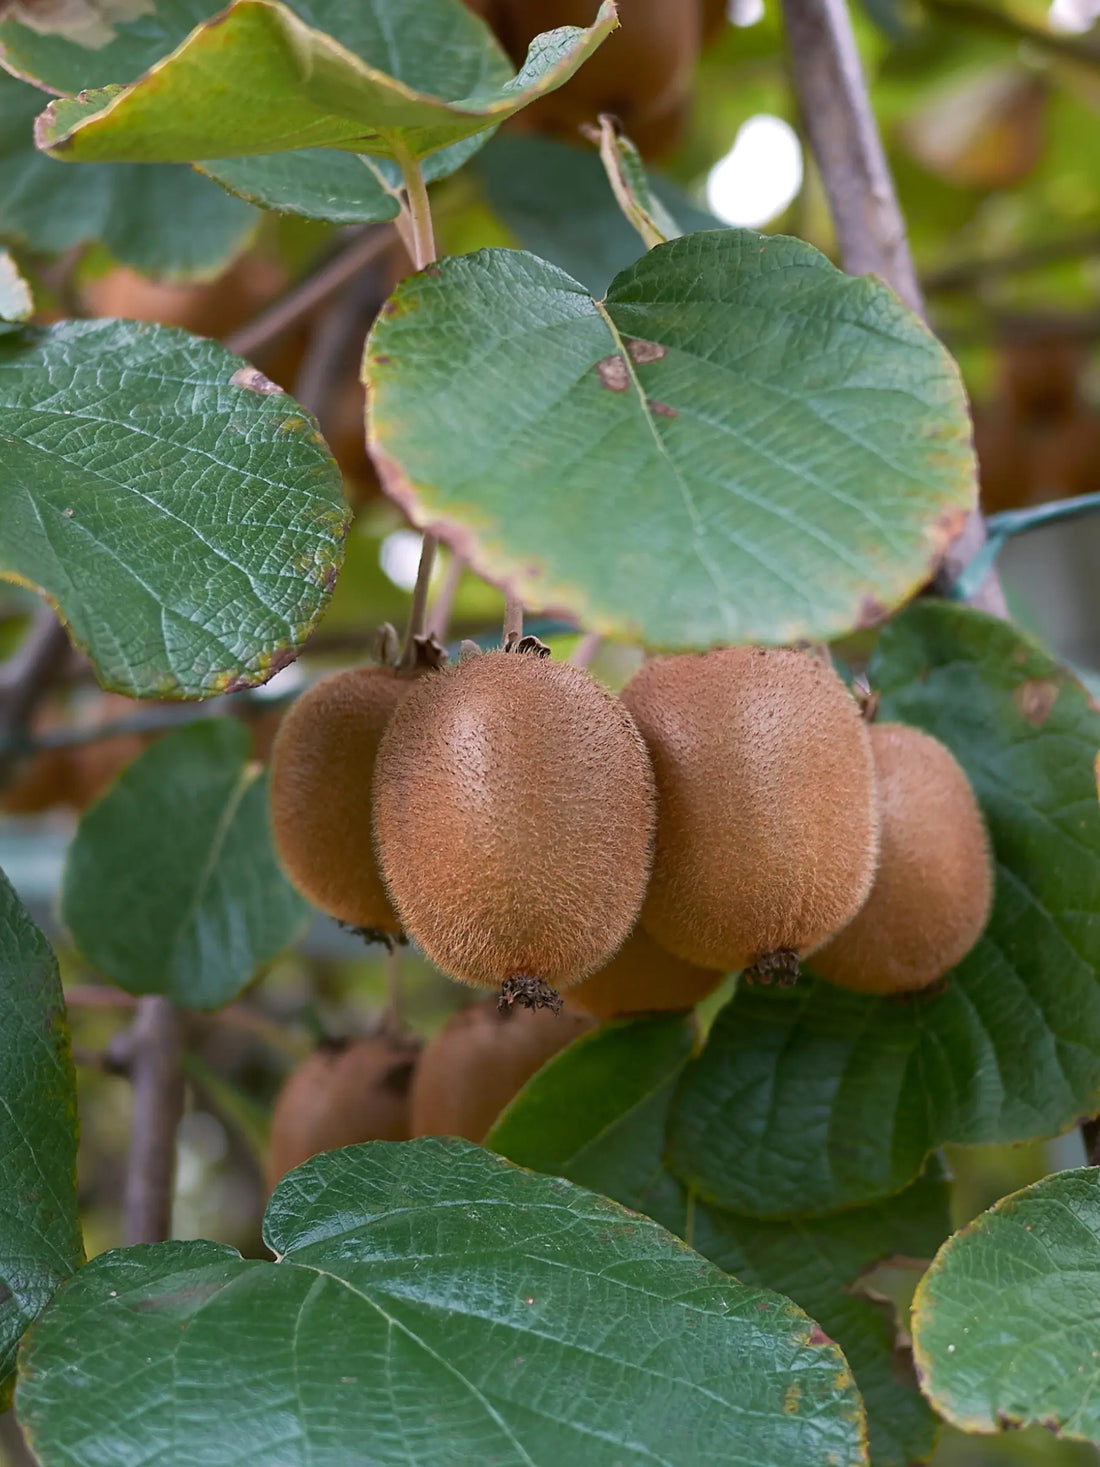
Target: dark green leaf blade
x=162 y=220
x=781 y=456
x=259 y=79
x=597 y=1115
x=556 y=201
x=323 y=183
x=40 y=1242
x=1004 y=1322
x=185 y=516
x=813 y=1099
x=433 y=1304
x=219 y=906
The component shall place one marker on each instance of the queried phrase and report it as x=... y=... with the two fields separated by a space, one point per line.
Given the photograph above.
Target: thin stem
x=586 y=649
x=395 y=995
x=513 y=618
x=836 y=111
x=331 y=278
x=439 y=617
x=154 y=1054
x=419 y=212
x=25 y=680
x=419 y=609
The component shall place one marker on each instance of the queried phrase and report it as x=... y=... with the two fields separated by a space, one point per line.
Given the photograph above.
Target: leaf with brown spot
x=753 y=445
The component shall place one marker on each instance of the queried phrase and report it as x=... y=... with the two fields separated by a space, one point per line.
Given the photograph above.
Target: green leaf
x=432 y=1305
x=740 y=443
x=812 y=1098
x=16 y=300
x=171 y=884
x=1004 y=1322
x=40 y=1243
x=258 y=79
x=596 y=1114
x=322 y=183
x=186 y=517
x=556 y=201
x=162 y=220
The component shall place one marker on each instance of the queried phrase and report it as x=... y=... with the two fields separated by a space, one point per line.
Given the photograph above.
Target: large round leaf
x=161 y=219
x=172 y=885
x=432 y=1305
x=185 y=516
x=1004 y=1322
x=259 y=79
x=40 y=1240
x=813 y=1098
x=740 y=442
x=596 y=1114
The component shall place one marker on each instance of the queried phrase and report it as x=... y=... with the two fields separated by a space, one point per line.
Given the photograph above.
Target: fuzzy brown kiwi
x=643 y=978
x=322 y=767
x=514 y=810
x=343 y=1093
x=641 y=73
x=479 y=1060
x=767 y=822
x=934 y=885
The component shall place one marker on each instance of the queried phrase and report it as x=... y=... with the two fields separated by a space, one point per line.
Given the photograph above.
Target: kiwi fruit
x=345 y=1092
x=514 y=811
x=479 y=1060
x=642 y=72
x=322 y=767
x=767 y=820
x=934 y=886
x=643 y=978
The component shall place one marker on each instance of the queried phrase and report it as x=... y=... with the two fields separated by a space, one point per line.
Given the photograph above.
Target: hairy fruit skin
x=934 y=886
x=342 y=1094
x=514 y=814
x=322 y=768
x=767 y=820
x=643 y=978
x=481 y=1059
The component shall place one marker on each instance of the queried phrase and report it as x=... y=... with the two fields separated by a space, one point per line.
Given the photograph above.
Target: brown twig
x=278 y=319
x=439 y=617
x=25 y=679
x=586 y=649
x=836 y=111
x=152 y=1054
x=418 y=612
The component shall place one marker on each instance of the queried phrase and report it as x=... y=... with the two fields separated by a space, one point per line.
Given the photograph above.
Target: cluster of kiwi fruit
x=536 y=835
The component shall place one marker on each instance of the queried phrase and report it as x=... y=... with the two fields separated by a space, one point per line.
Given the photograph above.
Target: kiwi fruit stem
x=529 y=993
x=513 y=621
x=418 y=612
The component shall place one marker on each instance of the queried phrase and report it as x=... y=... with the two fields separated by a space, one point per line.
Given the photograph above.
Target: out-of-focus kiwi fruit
x=934 y=884
x=513 y=804
x=342 y=1094
x=642 y=73
x=767 y=821
x=643 y=978
x=481 y=1059
x=322 y=771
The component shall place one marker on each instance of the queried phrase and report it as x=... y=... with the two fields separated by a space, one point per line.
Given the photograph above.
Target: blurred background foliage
x=991 y=116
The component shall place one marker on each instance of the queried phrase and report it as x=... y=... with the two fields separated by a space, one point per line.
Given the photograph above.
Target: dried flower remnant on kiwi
x=514 y=811
x=767 y=830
